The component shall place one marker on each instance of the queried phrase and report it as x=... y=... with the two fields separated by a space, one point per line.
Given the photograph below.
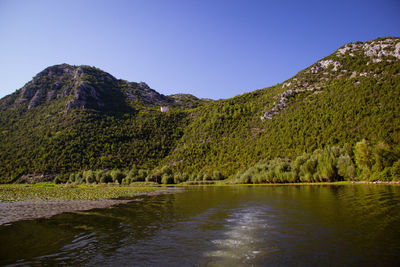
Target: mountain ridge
x=58 y=123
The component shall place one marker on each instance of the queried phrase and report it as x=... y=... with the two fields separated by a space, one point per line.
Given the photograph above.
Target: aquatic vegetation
x=39 y=192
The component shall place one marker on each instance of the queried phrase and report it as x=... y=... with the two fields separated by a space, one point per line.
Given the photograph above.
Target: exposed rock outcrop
x=376 y=49
x=323 y=65
x=281 y=104
x=36 y=99
x=45 y=86
x=142 y=92
x=83 y=93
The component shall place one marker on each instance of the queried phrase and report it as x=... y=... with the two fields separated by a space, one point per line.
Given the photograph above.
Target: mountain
x=71 y=118
x=352 y=94
x=89 y=88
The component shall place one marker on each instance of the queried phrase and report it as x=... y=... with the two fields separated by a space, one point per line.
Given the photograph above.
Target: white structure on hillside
x=165 y=109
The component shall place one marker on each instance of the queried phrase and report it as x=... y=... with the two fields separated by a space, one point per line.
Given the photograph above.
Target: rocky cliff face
x=50 y=84
x=82 y=87
x=56 y=82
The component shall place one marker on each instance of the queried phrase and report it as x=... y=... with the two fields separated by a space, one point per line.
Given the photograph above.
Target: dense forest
x=336 y=120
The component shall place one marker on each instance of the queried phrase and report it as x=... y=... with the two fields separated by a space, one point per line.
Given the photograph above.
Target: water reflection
x=242 y=240
x=220 y=226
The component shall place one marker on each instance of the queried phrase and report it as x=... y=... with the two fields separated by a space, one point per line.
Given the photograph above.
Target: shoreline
x=34 y=209
x=296 y=184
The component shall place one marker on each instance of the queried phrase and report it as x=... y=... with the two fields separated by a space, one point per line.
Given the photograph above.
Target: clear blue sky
x=212 y=49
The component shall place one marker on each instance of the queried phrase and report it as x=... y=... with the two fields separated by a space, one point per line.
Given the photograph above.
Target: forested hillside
x=351 y=95
x=70 y=119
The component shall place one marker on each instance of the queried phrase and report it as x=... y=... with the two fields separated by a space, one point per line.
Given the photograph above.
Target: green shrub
x=141 y=175
x=132 y=174
x=79 y=178
x=206 y=177
x=217 y=175
x=346 y=168
x=383 y=156
x=384 y=175
x=117 y=175
x=99 y=174
x=178 y=178
x=395 y=171
x=326 y=167
x=167 y=179
x=126 y=181
x=57 y=180
x=245 y=178
x=151 y=178
x=89 y=176
x=308 y=169
x=72 y=177
x=299 y=161
x=106 y=178
x=363 y=157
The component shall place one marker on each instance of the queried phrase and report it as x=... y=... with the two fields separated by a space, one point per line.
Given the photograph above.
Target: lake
x=290 y=225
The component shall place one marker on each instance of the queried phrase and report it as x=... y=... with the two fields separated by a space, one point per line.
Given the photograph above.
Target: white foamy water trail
x=244 y=238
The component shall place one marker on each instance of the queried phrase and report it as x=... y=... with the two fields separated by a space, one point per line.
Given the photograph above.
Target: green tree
x=383 y=157
x=395 y=171
x=89 y=176
x=167 y=178
x=363 y=157
x=346 y=168
x=117 y=175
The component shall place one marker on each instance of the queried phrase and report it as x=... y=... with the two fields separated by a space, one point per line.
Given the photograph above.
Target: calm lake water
x=346 y=225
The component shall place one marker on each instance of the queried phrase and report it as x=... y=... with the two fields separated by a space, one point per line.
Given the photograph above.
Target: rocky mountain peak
x=143 y=85
x=76 y=84
x=377 y=49
x=46 y=86
x=83 y=87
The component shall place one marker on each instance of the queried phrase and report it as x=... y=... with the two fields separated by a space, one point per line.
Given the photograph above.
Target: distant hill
x=71 y=118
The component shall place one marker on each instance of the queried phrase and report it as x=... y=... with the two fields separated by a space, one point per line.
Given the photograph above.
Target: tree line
x=363 y=162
